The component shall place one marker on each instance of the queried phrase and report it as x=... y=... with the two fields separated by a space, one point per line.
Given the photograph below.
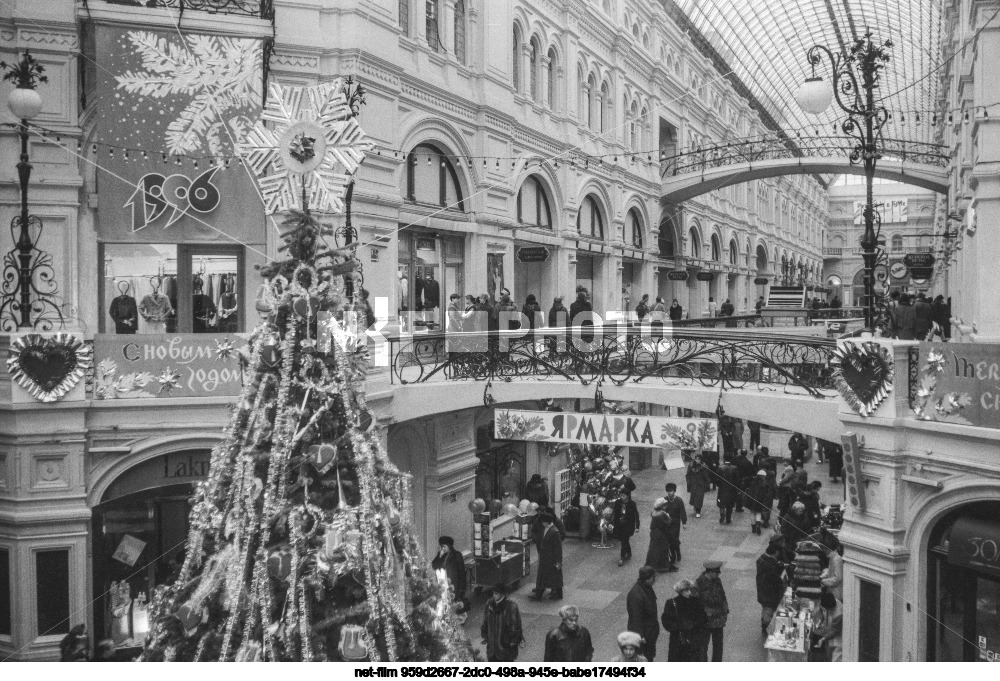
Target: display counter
x=789 y=634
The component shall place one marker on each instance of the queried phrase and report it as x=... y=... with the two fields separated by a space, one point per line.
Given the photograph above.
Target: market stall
x=788 y=636
x=501 y=545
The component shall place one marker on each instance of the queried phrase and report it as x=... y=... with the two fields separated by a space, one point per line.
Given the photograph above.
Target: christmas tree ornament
x=353 y=644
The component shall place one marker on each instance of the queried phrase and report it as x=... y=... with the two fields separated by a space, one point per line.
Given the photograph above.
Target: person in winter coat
x=452 y=562
x=684 y=618
x=626 y=521
x=676 y=311
x=941 y=316
x=569 y=642
x=833 y=576
x=787 y=484
x=642 y=309
x=754 y=428
x=558 y=314
x=658 y=313
x=630 y=645
x=713 y=598
x=759 y=500
x=678 y=513
x=728 y=310
x=713 y=307
x=798 y=445
x=550 y=575
x=501 y=629
x=658 y=555
x=922 y=318
x=537 y=491
x=506 y=311
x=698 y=482
x=770 y=584
x=794 y=526
x=729 y=491
x=532 y=310
x=727 y=433
x=640 y=604
x=760 y=458
x=75 y=646
x=710 y=457
x=904 y=323
x=829 y=628
x=835 y=459
x=810 y=499
x=746 y=472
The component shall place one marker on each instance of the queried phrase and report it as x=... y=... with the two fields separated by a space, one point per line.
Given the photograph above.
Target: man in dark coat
x=904 y=324
x=698 y=481
x=760 y=499
x=537 y=491
x=625 y=517
x=729 y=491
x=746 y=472
x=754 y=434
x=810 y=499
x=922 y=317
x=684 y=617
x=713 y=598
x=550 y=575
x=451 y=561
x=770 y=584
x=710 y=457
x=569 y=642
x=677 y=512
x=501 y=629
x=941 y=316
x=835 y=459
x=798 y=445
x=642 y=611
x=658 y=555
x=727 y=432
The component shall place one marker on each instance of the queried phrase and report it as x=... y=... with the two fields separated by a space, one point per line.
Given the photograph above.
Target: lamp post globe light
x=855 y=79
x=26 y=269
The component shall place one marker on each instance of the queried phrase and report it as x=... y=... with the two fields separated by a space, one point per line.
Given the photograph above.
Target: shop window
x=695 y=243
x=431 y=179
x=431 y=12
x=171 y=288
x=665 y=240
x=589 y=221
x=585 y=272
x=533 y=205
x=635 y=228
x=52 y=592
x=500 y=473
x=460 y=31
x=5 y=596
x=869 y=620
x=404 y=16
x=430 y=268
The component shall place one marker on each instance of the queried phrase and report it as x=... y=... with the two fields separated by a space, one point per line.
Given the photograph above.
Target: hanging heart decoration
x=322 y=456
x=306 y=308
x=48 y=367
x=190 y=618
x=279 y=564
x=863 y=375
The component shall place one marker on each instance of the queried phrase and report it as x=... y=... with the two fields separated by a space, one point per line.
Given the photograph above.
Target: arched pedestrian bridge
x=778 y=379
x=696 y=172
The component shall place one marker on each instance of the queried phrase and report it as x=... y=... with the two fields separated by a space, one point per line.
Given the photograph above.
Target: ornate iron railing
x=769 y=149
x=249 y=8
x=619 y=356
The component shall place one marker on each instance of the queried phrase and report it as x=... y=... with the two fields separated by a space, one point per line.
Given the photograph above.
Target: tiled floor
x=595 y=583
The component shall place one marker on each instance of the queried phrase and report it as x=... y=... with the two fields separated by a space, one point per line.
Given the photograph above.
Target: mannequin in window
x=155 y=308
x=227 y=315
x=203 y=310
x=124 y=311
x=432 y=296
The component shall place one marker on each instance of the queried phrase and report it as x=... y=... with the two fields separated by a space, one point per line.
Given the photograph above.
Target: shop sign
x=170 y=469
x=705 y=276
x=605 y=429
x=760 y=280
x=532 y=254
x=677 y=275
x=167 y=365
x=919 y=260
x=960 y=383
x=898 y=270
x=975 y=543
x=167 y=139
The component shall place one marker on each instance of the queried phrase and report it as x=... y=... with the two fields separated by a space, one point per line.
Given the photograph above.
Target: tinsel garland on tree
x=300 y=547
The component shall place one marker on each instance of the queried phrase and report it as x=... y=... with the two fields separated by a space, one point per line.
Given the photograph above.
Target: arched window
x=533 y=204
x=734 y=253
x=591 y=96
x=633 y=127
x=635 y=228
x=605 y=107
x=431 y=179
x=516 y=60
x=694 y=243
x=581 y=106
x=551 y=85
x=589 y=221
x=761 y=259
x=897 y=243
x=460 y=30
x=404 y=16
x=607 y=6
x=533 y=66
x=433 y=36
x=665 y=241
x=635 y=31
x=642 y=128
x=716 y=249
x=645 y=40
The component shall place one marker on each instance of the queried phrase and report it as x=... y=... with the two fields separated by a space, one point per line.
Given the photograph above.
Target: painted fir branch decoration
x=219 y=75
x=945 y=408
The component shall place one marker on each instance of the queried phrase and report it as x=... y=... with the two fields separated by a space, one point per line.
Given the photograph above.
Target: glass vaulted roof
x=765 y=42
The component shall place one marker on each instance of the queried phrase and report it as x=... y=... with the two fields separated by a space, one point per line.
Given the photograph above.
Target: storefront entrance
x=963 y=586
x=139 y=534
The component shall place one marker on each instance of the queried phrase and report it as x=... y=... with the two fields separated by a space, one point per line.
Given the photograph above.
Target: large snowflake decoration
x=310 y=153
x=220 y=75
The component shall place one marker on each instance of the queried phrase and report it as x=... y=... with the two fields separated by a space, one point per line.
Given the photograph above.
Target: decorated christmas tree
x=300 y=545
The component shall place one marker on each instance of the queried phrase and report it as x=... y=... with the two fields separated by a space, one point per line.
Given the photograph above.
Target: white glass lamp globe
x=814 y=96
x=24 y=103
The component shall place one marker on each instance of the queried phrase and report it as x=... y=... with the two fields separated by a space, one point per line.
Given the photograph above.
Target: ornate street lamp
x=28 y=288
x=855 y=79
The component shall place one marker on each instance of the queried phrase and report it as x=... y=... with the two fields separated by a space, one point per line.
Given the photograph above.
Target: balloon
x=524 y=506
x=588 y=466
x=533 y=507
x=599 y=461
x=477 y=506
x=495 y=507
x=608 y=513
x=510 y=509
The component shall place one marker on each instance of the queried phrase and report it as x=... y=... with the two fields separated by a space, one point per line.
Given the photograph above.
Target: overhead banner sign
x=606 y=429
x=891 y=211
x=959 y=383
x=171 y=110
